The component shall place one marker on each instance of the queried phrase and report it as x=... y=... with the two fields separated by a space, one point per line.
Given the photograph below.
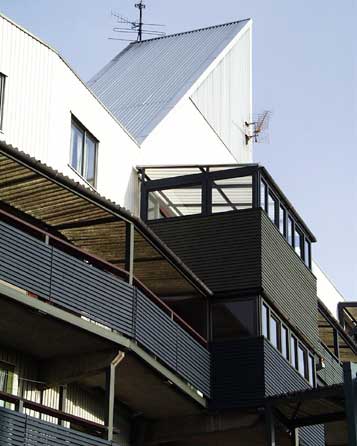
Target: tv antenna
x=256 y=130
x=137 y=27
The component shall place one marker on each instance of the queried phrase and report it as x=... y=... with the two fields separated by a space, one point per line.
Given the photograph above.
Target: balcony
x=62 y=275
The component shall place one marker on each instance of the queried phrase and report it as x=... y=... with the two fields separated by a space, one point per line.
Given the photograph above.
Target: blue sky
x=304 y=57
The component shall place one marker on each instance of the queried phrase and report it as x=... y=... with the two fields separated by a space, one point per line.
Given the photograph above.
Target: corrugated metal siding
x=140 y=93
x=222 y=250
x=333 y=371
x=288 y=283
x=29 y=80
x=224 y=98
x=312 y=435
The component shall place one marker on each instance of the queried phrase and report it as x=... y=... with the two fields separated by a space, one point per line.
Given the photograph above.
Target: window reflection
x=293 y=347
x=284 y=342
x=290 y=231
x=265 y=316
x=235 y=319
x=301 y=360
x=272 y=203
x=282 y=219
x=298 y=242
x=274 y=332
x=263 y=194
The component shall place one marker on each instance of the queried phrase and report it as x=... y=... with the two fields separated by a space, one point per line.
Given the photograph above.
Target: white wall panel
x=184 y=137
x=224 y=97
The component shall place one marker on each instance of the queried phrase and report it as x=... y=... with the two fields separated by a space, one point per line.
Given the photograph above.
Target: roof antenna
x=137 y=27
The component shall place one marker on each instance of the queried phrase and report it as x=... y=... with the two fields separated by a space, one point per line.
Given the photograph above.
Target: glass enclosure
x=181 y=191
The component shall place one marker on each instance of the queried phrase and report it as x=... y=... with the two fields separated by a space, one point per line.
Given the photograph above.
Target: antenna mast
x=141 y=5
x=137 y=27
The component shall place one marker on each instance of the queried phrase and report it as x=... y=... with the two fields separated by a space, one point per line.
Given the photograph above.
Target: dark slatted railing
x=82 y=284
x=18 y=429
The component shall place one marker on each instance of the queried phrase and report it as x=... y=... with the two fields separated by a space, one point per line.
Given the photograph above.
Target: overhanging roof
x=146 y=80
x=91 y=222
x=310 y=407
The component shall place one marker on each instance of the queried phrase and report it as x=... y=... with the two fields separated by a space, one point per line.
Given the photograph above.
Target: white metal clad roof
x=143 y=82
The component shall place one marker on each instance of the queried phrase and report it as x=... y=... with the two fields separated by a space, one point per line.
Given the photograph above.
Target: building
x=190 y=312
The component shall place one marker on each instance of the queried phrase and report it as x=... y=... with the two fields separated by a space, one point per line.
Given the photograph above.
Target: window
x=272 y=204
x=284 y=342
x=290 y=231
x=282 y=220
x=6 y=379
x=293 y=348
x=299 y=242
x=265 y=320
x=83 y=152
x=307 y=253
x=234 y=320
x=263 y=195
x=2 y=99
x=311 y=370
x=274 y=332
x=302 y=361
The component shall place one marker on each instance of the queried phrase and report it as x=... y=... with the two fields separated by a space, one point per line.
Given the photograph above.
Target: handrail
x=63 y=416
x=97 y=261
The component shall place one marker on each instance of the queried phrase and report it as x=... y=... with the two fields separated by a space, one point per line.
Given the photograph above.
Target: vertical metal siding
x=224 y=98
x=333 y=371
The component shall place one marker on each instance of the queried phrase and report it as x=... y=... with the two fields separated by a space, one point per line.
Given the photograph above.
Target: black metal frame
x=206 y=179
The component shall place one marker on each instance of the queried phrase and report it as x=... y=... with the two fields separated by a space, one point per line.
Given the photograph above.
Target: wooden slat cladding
x=22 y=430
x=244 y=251
x=223 y=249
x=288 y=283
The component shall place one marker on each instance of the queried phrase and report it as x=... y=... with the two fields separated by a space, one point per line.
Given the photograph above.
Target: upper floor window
x=2 y=98
x=83 y=152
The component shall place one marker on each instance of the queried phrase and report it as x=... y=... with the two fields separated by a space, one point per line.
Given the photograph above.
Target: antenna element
x=137 y=27
x=257 y=128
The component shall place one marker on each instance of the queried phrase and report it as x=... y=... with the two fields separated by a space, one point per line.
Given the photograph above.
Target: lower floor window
x=6 y=379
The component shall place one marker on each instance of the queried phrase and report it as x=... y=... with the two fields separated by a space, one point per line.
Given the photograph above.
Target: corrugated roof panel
x=143 y=82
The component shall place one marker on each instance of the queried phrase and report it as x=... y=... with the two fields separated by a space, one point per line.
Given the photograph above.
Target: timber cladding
x=238 y=252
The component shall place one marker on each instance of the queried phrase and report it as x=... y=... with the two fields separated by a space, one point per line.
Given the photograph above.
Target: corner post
x=270 y=426
x=129 y=251
x=350 y=386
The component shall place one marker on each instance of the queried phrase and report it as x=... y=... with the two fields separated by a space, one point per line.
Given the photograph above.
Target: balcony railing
x=17 y=428
x=61 y=274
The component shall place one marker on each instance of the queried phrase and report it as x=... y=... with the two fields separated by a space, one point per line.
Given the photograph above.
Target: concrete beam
x=66 y=369
x=179 y=429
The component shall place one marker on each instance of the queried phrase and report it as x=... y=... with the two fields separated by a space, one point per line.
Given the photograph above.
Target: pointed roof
x=146 y=80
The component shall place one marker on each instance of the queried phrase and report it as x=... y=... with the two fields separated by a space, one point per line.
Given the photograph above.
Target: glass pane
x=274 y=330
x=307 y=253
x=290 y=231
x=90 y=160
x=293 y=351
x=284 y=342
x=272 y=203
x=282 y=219
x=232 y=194
x=265 y=321
x=76 y=148
x=263 y=192
x=176 y=202
x=298 y=242
x=311 y=370
x=232 y=320
x=301 y=360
